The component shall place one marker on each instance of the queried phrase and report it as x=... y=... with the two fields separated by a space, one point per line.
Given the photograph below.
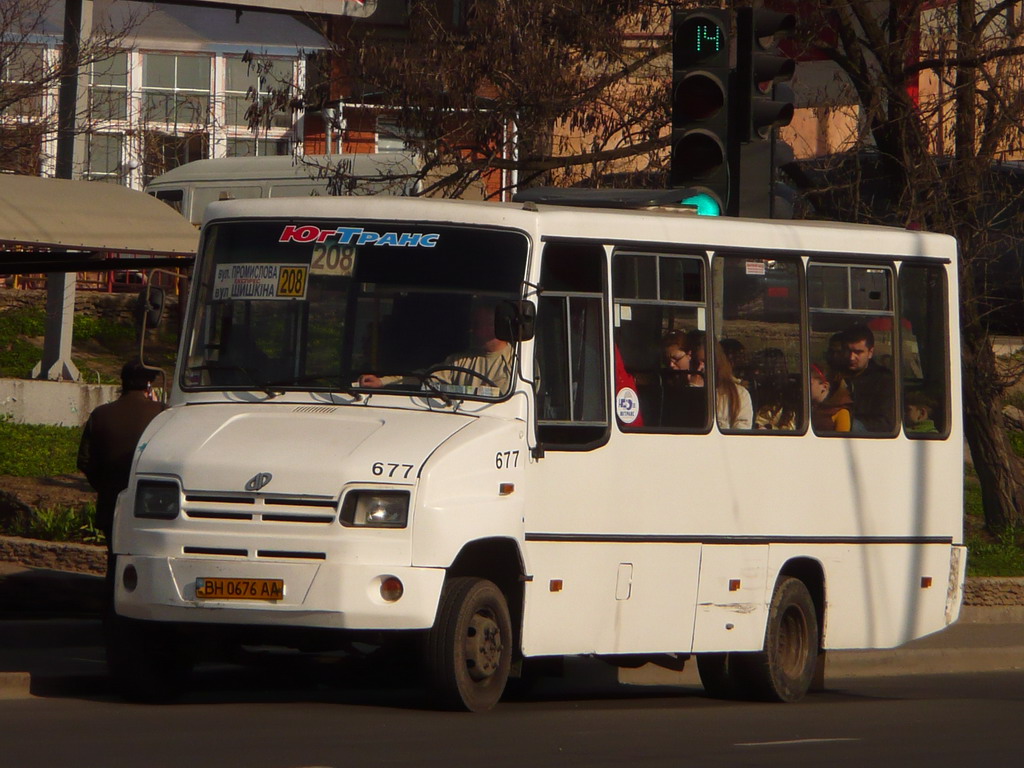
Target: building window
x=163 y=152
x=103 y=162
x=245 y=82
x=176 y=89
x=108 y=88
x=253 y=147
x=21 y=73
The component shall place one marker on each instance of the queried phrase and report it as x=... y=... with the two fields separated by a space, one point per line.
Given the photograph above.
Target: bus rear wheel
x=469 y=649
x=784 y=670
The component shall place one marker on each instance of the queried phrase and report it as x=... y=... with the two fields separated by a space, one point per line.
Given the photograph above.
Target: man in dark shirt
x=869 y=384
x=110 y=438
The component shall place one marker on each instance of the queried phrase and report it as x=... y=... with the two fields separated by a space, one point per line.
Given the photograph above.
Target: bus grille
x=268 y=509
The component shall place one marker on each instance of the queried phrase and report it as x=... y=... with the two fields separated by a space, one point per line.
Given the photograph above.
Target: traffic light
x=700 y=103
x=762 y=102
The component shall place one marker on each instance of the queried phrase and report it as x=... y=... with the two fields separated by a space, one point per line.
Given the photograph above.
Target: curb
x=932 y=661
x=15 y=685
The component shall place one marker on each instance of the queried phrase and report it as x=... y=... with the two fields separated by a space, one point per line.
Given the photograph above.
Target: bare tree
x=941 y=155
x=29 y=75
x=555 y=90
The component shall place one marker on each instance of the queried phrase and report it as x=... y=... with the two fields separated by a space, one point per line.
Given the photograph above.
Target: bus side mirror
x=515 y=321
x=150 y=309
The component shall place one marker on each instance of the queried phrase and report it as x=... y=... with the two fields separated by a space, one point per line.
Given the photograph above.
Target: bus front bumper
x=337 y=596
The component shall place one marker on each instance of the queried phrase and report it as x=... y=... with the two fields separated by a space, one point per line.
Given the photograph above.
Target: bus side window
x=853 y=340
x=659 y=309
x=570 y=349
x=924 y=371
x=759 y=333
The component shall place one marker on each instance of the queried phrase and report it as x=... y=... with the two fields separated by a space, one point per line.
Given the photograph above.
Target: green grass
x=38 y=450
x=988 y=555
x=48 y=524
x=18 y=356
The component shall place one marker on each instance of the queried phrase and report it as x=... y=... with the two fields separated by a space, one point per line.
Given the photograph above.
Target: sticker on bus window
x=260 y=281
x=333 y=258
x=627 y=405
x=755 y=268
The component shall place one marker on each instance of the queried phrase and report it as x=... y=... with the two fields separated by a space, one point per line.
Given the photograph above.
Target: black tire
x=784 y=670
x=468 y=651
x=719 y=674
x=148 y=661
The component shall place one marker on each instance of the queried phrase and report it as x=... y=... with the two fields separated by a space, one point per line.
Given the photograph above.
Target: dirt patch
x=60 y=492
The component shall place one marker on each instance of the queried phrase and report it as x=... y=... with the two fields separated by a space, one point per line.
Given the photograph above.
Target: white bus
x=494 y=429
x=189 y=188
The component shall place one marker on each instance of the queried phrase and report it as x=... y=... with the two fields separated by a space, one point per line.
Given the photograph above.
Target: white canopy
x=89 y=216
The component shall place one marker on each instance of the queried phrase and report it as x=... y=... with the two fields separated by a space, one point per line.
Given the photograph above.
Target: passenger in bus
x=830 y=411
x=684 y=403
x=773 y=390
x=870 y=384
x=491 y=360
x=737 y=354
x=918 y=410
x=733 y=406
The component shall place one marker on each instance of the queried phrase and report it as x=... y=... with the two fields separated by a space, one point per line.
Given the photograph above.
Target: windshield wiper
x=333 y=382
x=263 y=387
x=425 y=379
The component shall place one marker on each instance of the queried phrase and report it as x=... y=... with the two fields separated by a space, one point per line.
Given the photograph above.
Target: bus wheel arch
x=499 y=560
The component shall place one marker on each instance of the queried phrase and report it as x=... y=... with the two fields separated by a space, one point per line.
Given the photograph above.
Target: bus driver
x=490 y=363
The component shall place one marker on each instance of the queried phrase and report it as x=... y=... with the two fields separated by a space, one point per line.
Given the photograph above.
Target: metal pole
x=56 y=362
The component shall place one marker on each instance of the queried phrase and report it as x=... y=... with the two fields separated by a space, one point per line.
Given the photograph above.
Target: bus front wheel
x=468 y=651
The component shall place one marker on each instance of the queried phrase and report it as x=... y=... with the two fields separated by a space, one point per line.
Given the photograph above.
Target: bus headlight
x=156 y=500
x=375 y=509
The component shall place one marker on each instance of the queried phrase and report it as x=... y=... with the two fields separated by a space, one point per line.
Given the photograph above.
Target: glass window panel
x=157 y=70
x=241 y=147
x=828 y=287
x=238 y=76
x=760 y=344
x=636 y=276
x=25 y=63
x=654 y=340
x=925 y=352
x=107 y=104
x=281 y=71
x=234 y=110
x=570 y=349
x=681 y=279
x=112 y=71
x=194 y=72
x=191 y=108
x=869 y=289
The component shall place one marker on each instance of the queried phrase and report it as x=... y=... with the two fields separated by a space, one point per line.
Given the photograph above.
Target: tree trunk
x=999 y=470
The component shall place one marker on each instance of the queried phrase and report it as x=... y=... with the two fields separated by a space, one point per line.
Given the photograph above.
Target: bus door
x=606 y=578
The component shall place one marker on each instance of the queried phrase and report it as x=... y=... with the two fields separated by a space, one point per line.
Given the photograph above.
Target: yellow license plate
x=239 y=589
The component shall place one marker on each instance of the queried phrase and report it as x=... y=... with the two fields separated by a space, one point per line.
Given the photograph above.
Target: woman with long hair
x=732 y=400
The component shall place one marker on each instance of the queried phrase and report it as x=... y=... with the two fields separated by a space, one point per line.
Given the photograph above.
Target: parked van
x=189 y=188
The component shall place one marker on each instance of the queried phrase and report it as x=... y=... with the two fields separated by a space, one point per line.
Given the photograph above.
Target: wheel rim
x=483 y=646
x=791 y=650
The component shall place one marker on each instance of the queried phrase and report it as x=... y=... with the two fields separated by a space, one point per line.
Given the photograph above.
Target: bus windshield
x=331 y=306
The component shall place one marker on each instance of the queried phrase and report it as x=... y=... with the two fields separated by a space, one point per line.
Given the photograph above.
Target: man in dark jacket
x=110 y=438
x=870 y=385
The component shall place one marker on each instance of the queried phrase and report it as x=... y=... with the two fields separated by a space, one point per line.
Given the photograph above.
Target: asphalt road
x=268 y=721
